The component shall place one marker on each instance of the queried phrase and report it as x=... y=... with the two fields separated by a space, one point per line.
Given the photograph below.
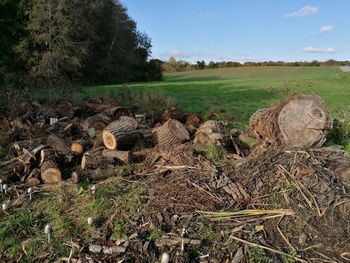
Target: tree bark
x=171 y=133
x=94 y=175
x=299 y=121
x=121 y=156
x=93 y=161
x=33 y=178
x=116 y=112
x=97 y=122
x=210 y=132
x=47 y=155
x=57 y=143
x=121 y=134
x=98 y=140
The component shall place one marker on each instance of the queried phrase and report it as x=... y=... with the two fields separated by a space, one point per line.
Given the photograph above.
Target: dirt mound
x=304 y=182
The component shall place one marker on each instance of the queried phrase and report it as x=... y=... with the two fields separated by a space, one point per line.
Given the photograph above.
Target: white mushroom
x=5 y=206
x=47 y=231
x=93 y=189
x=165 y=258
x=5 y=187
x=90 y=221
x=30 y=191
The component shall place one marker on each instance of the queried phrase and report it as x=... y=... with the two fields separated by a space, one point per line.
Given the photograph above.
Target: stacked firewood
x=51 y=144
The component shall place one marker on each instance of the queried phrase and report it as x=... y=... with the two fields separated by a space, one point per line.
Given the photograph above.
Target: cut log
x=299 y=121
x=171 y=133
x=50 y=173
x=212 y=126
x=33 y=177
x=97 y=122
x=92 y=161
x=98 y=105
x=121 y=156
x=80 y=146
x=210 y=132
x=121 y=134
x=116 y=112
x=192 y=119
x=97 y=150
x=98 y=140
x=93 y=175
x=130 y=120
x=57 y=143
x=46 y=155
x=64 y=108
x=33 y=181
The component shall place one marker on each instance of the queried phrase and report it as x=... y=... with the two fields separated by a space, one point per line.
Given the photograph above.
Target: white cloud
x=304 y=11
x=319 y=50
x=327 y=28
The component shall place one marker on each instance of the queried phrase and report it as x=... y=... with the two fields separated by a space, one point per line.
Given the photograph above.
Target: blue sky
x=250 y=30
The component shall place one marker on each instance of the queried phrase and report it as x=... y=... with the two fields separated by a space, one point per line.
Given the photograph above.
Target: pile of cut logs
x=51 y=144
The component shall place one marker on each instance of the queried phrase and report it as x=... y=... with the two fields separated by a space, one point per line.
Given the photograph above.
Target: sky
x=245 y=30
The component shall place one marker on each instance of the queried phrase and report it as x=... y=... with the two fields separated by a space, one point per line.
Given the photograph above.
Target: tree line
x=60 y=42
x=173 y=65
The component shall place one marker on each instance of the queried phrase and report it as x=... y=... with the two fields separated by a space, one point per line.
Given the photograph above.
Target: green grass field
x=237 y=92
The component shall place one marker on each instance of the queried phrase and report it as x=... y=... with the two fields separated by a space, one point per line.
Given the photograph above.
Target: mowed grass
x=235 y=93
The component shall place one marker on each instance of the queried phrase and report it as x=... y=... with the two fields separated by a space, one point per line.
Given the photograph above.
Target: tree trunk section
x=209 y=133
x=98 y=140
x=93 y=175
x=171 y=133
x=299 y=121
x=97 y=122
x=80 y=146
x=121 y=134
x=57 y=143
x=121 y=156
x=50 y=173
x=92 y=161
x=47 y=155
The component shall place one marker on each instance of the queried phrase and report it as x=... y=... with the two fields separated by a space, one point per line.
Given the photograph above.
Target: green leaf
x=92 y=132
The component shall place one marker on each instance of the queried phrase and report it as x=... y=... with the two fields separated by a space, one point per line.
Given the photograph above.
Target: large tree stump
x=300 y=121
x=121 y=134
x=171 y=133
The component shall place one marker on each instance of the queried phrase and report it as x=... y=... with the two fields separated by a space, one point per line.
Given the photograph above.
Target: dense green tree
x=84 y=41
x=52 y=53
x=12 y=17
x=200 y=64
x=118 y=52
